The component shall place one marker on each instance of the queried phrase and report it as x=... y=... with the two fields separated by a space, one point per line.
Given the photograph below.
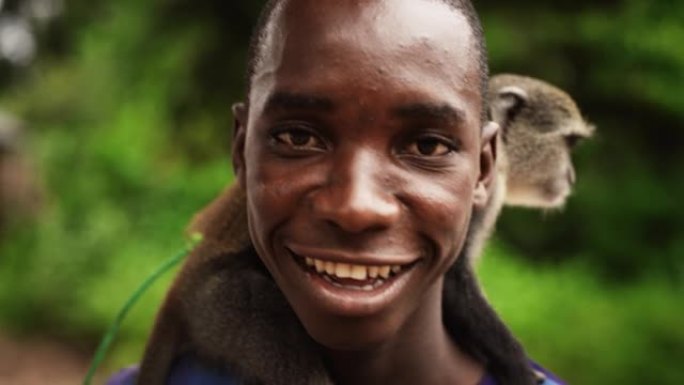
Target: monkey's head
x=540 y=125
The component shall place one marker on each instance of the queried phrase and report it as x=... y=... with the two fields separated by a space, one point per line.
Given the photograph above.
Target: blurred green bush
x=129 y=123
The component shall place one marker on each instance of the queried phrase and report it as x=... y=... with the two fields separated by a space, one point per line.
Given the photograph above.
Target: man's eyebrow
x=428 y=111
x=282 y=100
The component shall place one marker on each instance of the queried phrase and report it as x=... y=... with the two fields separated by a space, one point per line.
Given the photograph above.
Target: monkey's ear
x=506 y=104
x=488 y=154
x=240 y=114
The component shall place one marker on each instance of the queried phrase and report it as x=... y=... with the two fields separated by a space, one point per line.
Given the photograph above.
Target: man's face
x=360 y=155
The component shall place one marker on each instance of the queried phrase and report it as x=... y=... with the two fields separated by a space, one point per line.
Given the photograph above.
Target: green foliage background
x=129 y=127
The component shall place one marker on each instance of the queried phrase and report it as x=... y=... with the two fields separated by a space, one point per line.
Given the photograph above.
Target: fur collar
x=240 y=319
x=225 y=308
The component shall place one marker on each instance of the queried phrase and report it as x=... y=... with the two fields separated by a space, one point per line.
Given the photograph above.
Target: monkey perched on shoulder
x=539 y=126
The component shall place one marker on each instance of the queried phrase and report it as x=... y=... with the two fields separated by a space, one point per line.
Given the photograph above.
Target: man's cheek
x=448 y=206
x=450 y=217
x=454 y=223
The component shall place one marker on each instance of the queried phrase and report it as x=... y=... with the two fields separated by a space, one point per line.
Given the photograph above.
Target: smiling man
x=366 y=167
x=364 y=160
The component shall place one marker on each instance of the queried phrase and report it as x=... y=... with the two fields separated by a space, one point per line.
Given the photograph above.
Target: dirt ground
x=40 y=362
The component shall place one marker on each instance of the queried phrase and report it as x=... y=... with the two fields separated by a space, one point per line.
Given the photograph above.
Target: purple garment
x=545 y=377
x=124 y=376
x=487 y=380
x=188 y=371
x=550 y=379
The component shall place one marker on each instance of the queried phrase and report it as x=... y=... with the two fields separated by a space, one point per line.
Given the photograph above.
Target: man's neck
x=421 y=353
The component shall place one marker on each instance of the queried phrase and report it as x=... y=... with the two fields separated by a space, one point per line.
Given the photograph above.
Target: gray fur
x=535 y=118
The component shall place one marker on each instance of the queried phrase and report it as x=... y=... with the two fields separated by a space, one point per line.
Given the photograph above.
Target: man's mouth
x=351 y=276
x=351 y=283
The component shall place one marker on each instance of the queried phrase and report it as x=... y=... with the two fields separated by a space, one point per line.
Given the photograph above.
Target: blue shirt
x=188 y=371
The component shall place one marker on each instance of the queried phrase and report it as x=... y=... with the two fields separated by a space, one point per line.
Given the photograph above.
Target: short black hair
x=466 y=7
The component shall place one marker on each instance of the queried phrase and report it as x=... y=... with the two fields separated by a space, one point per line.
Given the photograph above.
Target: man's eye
x=429 y=146
x=299 y=139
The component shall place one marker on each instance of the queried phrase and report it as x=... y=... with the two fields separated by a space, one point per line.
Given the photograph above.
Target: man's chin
x=349 y=334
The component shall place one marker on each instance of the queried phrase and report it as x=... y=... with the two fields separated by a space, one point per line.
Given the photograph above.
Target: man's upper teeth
x=356 y=272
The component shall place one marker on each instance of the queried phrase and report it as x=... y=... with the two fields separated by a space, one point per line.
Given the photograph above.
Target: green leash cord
x=114 y=327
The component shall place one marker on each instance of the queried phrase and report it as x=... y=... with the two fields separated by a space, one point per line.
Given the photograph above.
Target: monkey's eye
x=573 y=140
x=298 y=139
x=430 y=146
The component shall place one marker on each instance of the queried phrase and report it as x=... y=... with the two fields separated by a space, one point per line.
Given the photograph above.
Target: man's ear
x=240 y=114
x=488 y=154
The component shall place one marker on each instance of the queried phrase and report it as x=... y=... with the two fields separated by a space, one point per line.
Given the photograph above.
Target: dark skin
x=363 y=146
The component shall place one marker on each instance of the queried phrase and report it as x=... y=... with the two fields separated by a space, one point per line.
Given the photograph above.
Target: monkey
x=539 y=126
x=193 y=316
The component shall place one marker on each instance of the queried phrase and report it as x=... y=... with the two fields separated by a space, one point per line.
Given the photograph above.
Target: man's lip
x=350 y=299
x=356 y=258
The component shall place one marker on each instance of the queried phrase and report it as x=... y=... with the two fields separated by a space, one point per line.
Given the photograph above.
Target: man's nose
x=358 y=196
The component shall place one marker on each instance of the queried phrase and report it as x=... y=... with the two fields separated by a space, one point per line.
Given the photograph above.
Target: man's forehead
x=381 y=27
x=399 y=18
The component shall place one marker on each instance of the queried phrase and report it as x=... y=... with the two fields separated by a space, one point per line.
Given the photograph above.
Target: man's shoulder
x=189 y=371
x=545 y=377
x=124 y=376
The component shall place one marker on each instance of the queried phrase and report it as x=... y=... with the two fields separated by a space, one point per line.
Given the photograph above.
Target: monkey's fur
x=539 y=126
x=225 y=308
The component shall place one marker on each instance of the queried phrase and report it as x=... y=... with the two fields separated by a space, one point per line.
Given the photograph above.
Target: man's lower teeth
x=376 y=283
